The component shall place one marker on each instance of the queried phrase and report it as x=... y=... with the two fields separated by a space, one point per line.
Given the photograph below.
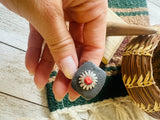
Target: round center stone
x=88 y=80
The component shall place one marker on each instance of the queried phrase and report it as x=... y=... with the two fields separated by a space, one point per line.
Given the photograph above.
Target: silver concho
x=92 y=78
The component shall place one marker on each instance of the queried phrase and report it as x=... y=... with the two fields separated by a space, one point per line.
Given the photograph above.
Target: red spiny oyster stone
x=88 y=80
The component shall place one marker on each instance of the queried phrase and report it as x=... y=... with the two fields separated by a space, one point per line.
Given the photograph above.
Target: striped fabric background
x=132 y=11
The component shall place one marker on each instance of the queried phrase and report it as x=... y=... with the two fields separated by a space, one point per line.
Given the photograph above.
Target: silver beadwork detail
x=90 y=74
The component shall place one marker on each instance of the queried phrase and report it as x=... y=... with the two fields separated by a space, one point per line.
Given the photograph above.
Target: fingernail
x=71 y=98
x=68 y=67
x=40 y=88
x=58 y=99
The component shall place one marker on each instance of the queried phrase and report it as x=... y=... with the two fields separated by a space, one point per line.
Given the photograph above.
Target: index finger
x=94 y=40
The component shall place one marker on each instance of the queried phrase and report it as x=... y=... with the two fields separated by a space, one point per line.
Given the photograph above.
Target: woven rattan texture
x=141 y=73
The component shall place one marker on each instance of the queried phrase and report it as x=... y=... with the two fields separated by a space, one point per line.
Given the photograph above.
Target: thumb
x=63 y=50
x=60 y=43
x=52 y=27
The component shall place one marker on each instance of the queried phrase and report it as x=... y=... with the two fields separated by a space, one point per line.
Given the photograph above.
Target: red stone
x=88 y=80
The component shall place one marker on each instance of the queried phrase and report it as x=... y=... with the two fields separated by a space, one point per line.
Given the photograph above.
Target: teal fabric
x=127 y=3
x=113 y=87
x=132 y=13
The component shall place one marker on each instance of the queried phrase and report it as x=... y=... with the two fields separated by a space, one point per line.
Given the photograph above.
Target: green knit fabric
x=114 y=86
x=132 y=13
x=127 y=3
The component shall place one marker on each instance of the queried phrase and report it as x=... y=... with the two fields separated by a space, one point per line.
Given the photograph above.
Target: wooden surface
x=19 y=97
x=154 y=8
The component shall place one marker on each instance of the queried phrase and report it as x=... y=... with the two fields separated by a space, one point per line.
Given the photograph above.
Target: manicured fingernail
x=58 y=99
x=68 y=67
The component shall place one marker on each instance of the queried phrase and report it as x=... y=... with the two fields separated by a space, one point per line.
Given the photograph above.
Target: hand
x=85 y=40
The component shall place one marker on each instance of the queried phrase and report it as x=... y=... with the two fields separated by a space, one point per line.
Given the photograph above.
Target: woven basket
x=141 y=72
